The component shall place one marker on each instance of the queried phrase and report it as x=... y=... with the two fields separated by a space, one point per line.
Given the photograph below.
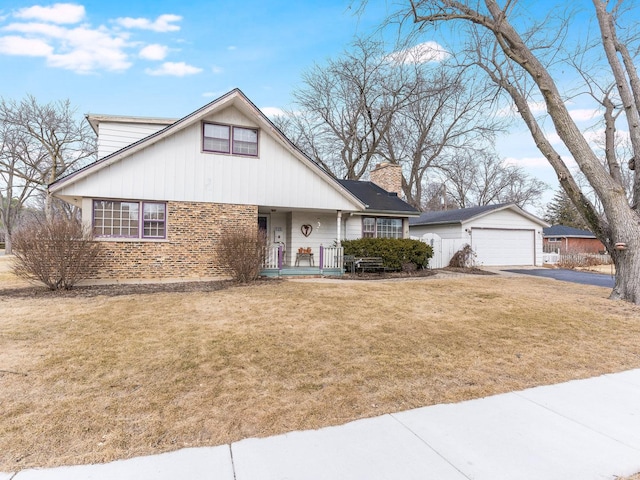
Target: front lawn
x=96 y=378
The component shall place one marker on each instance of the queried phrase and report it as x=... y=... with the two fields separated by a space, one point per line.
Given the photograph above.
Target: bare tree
x=521 y=61
x=401 y=107
x=19 y=159
x=446 y=118
x=347 y=107
x=482 y=179
x=55 y=142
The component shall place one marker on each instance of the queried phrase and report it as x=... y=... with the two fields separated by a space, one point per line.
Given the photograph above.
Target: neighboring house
x=501 y=234
x=166 y=191
x=563 y=240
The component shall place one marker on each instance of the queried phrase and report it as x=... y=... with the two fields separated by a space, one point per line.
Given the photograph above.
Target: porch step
x=300 y=271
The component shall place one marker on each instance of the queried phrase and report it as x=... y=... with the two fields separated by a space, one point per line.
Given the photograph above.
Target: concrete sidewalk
x=584 y=429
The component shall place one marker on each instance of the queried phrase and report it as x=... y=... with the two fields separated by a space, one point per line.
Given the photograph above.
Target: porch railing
x=329 y=257
x=273 y=257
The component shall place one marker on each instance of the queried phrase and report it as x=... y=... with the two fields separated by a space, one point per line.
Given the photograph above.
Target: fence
x=576 y=258
x=443 y=248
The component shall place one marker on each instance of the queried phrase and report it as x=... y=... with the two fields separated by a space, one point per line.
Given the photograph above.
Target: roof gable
x=234 y=102
x=462 y=215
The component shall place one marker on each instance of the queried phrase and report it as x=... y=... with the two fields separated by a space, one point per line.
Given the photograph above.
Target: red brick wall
x=577 y=245
x=189 y=252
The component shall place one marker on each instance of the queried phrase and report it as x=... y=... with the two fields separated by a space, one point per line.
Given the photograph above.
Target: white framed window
x=216 y=138
x=381 y=227
x=220 y=138
x=122 y=219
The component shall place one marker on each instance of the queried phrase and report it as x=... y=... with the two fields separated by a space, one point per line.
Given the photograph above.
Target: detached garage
x=501 y=234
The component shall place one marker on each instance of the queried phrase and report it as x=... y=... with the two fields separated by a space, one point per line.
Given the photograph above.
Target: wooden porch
x=328 y=262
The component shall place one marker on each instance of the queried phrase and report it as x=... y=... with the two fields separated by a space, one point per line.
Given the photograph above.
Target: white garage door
x=503 y=247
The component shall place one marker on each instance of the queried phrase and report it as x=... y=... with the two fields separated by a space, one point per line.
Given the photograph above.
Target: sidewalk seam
x=429 y=446
x=233 y=465
x=574 y=421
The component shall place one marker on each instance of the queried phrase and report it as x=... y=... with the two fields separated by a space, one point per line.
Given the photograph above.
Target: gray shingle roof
x=376 y=198
x=564 y=231
x=453 y=216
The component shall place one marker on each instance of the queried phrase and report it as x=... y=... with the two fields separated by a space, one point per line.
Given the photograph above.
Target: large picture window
x=381 y=227
x=113 y=218
x=227 y=139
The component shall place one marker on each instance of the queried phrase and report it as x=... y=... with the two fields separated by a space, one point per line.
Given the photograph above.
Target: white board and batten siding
x=175 y=168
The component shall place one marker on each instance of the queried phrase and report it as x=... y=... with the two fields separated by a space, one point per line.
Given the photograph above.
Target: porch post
x=339 y=228
x=280 y=257
x=321 y=258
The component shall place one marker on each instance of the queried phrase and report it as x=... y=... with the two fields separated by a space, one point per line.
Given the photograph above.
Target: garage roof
x=462 y=215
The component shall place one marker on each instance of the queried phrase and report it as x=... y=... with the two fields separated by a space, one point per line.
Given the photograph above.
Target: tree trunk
x=8 y=250
x=626 y=258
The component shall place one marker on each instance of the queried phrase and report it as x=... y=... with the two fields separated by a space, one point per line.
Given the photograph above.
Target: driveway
x=585 y=278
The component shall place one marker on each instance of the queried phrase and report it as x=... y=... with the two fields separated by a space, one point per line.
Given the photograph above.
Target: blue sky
x=168 y=58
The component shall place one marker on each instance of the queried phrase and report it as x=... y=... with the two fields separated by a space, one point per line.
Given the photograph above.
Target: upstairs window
x=216 y=138
x=228 y=139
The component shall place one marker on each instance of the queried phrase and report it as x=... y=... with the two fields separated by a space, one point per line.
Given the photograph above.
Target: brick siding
x=189 y=251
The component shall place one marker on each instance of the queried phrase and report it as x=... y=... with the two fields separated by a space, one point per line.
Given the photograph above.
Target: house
x=502 y=234
x=163 y=193
x=563 y=240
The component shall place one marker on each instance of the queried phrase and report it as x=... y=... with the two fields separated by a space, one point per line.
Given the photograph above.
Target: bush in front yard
x=242 y=253
x=58 y=253
x=396 y=253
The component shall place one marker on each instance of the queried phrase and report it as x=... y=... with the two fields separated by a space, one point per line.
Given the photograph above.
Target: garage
x=496 y=247
x=500 y=235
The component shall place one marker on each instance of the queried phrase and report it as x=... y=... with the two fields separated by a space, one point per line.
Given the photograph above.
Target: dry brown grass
x=95 y=379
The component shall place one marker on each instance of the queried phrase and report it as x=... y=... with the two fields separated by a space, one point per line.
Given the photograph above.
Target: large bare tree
x=46 y=142
x=522 y=57
x=404 y=107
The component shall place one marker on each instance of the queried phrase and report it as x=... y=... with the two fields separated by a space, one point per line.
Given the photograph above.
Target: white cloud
x=29 y=47
x=164 y=23
x=217 y=70
x=583 y=114
x=176 y=69
x=57 y=13
x=272 y=111
x=421 y=53
x=80 y=49
x=45 y=31
x=154 y=52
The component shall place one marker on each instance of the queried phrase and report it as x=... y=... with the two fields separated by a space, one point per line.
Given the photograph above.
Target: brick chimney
x=388 y=176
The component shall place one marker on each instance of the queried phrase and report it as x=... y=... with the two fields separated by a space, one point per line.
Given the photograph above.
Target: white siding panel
x=454 y=231
x=114 y=136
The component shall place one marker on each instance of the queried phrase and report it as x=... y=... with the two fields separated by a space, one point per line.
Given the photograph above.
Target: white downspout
x=339 y=228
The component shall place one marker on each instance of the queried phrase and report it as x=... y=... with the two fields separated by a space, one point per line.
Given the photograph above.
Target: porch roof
x=377 y=199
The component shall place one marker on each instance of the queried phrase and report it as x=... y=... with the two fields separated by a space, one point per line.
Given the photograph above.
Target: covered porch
x=327 y=261
x=302 y=242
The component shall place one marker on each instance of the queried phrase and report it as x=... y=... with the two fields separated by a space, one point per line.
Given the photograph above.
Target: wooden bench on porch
x=369 y=264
